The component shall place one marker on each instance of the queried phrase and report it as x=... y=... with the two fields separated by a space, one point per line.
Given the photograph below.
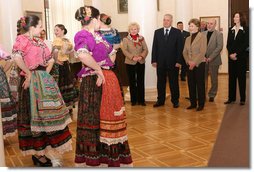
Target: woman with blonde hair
x=135 y=50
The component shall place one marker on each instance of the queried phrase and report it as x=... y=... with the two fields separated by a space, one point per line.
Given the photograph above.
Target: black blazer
x=239 y=44
x=167 y=53
x=185 y=34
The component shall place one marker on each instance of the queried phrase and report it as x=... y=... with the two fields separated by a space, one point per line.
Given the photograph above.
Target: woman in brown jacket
x=135 y=50
x=194 y=54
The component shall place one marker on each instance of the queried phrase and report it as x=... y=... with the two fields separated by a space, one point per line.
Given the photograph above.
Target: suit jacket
x=196 y=51
x=130 y=50
x=238 y=44
x=185 y=34
x=166 y=53
x=214 y=48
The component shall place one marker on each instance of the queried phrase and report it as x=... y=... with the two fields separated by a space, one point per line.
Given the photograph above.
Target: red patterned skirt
x=102 y=136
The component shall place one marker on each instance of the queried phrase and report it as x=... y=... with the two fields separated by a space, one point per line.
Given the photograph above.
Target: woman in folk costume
x=101 y=127
x=43 y=117
x=63 y=51
x=112 y=36
x=8 y=105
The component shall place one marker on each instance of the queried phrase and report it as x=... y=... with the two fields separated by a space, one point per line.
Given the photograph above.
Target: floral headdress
x=88 y=13
x=23 y=21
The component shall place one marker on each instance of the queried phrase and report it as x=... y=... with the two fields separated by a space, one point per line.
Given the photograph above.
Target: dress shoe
x=211 y=99
x=229 y=102
x=133 y=103
x=158 y=104
x=191 y=107
x=142 y=104
x=242 y=103
x=176 y=105
x=200 y=108
x=39 y=163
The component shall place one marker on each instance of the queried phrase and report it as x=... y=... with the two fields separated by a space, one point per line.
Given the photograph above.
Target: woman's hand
x=192 y=65
x=26 y=83
x=100 y=79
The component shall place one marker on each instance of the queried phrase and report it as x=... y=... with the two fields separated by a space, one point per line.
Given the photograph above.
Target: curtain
x=63 y=12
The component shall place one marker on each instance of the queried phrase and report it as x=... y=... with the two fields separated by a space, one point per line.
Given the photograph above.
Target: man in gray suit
x=213 y=57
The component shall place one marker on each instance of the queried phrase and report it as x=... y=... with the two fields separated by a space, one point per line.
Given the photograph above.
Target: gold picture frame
x=207 y=18
x=122 y=6
x=36 y=13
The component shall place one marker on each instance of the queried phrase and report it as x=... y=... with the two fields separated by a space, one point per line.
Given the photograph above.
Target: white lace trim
x=9 y=118
x=120 y=112
x=111 y=141
x=83 y=51
x=61 y=149
x=5 y=100
x=51 y=128
x=113 y=52
x=102 y=165
x=10 y=134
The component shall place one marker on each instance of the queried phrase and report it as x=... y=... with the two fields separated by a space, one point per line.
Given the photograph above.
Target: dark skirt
x=90 y=151
x=38 y=142
x=8 y=107
x=66 y=85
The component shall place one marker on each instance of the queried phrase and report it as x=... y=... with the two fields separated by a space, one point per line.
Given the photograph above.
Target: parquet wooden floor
x=158 y=137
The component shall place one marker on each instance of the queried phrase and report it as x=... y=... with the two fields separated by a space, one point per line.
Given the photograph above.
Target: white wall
x=36 y=6
x=200 y=8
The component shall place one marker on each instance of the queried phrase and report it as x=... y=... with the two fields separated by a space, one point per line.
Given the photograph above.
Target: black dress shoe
x=229 y=102
x=176 y=105
x=200 y=108
x=142 y=104
x=133 y=103
x=242 y=103
x=191 y=107
x=37 y=162
x=158 y=104
x=211 y=99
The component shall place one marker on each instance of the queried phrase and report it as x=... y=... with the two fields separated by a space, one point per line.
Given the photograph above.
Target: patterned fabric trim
x=61 y=149
x=120 y=112
x=83 y=51
x=113 y=52
x=112 y=141
x=101 y=165
x=5 y=100
x=17 y=52
x=14 y=116
x=10 y=134
x=51 y=128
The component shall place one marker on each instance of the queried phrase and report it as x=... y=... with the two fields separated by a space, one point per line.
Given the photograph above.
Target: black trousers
x=237 y=70
x=183 y=70
x=196 y=85
x=136 y=75
x=172 y=74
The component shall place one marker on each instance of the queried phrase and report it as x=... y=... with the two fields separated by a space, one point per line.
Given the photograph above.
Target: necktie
x=166 y=34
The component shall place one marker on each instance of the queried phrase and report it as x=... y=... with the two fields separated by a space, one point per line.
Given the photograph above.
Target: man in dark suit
x=185 y=34
x=166 y=58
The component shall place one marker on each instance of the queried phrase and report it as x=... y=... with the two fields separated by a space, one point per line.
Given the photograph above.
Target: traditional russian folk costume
x=43 y=117
x=8 y=105
x=112 y=36
x=101 y=127
x=62 y=73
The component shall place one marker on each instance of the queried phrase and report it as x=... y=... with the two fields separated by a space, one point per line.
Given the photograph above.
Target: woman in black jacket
x=237 y=44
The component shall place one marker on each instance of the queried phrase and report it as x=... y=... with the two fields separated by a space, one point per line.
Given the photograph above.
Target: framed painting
x=207 y=18
x=122 y=6
x=39 y=14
